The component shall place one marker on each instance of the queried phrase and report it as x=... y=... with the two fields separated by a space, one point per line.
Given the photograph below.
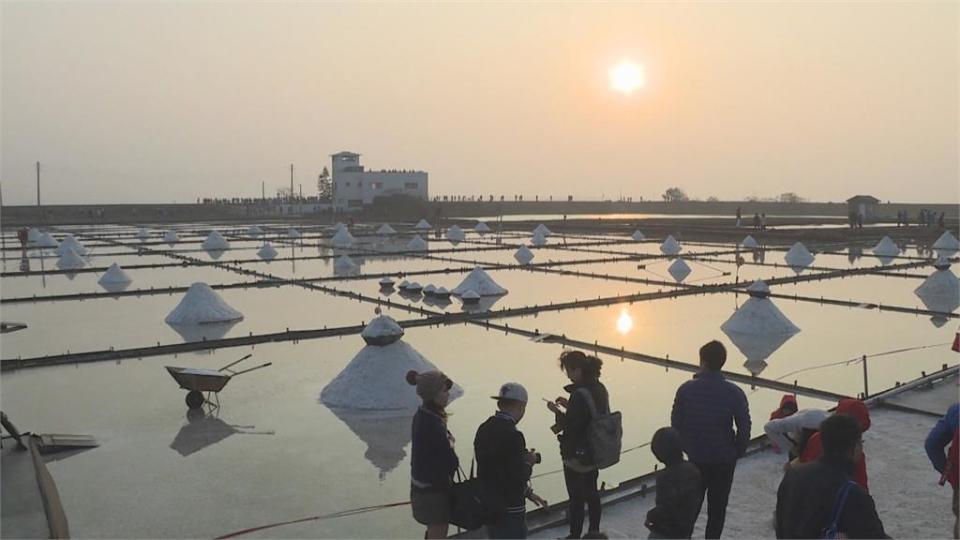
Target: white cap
x=513 y=391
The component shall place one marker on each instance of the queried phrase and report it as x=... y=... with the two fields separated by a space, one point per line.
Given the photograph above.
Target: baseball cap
x=512 y=391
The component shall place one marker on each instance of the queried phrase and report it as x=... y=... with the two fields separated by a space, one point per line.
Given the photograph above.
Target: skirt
x=430 y=506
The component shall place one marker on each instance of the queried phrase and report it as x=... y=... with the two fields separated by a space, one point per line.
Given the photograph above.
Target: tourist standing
x=705 y=410
x=433 y=460
x=679 y=491
x=756 y=221
x=504 y=465
x=763 y=221
x=573 y=426
x=946 y=432
x=739 y=216
x=856 y=409
x=819 y=500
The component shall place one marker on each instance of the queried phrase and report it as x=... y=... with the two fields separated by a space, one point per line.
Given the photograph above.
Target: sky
x=168 y=102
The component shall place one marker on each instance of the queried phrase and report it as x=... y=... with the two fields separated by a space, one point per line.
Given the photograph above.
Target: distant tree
x=325 y=186
x=790 y=197
x=675 y=194
x=712 y=199
x=283 y=193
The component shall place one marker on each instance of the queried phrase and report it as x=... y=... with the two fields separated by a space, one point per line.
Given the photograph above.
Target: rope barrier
x=322 y=517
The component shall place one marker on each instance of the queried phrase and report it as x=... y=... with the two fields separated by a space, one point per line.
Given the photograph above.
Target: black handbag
x=466 y=504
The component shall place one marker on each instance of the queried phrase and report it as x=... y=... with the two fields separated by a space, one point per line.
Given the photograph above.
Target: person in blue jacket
x=433 y=462
x=945 y=433
x=705 y=410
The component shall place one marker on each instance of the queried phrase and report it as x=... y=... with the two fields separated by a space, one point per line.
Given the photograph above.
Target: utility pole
x=3 y=237
x=301 y=191
x=291 y=183
x=39 y=211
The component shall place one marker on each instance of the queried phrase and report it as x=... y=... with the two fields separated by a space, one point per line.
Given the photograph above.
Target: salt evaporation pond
x=275 y=449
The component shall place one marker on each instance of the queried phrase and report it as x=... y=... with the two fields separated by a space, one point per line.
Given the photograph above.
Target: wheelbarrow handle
x=231 y=364
x=251 y=369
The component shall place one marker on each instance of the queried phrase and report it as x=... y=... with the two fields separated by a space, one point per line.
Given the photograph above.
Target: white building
x=354 y=187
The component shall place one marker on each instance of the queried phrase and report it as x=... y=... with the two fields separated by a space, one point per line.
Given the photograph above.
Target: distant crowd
x=824 y=491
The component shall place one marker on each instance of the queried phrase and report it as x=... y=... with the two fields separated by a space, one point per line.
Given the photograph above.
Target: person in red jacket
x=859 y=412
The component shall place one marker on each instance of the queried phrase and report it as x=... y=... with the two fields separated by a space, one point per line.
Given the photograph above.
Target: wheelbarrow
x=197 y=381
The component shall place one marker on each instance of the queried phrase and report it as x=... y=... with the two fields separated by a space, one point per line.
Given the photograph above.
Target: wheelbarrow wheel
x=194 y=399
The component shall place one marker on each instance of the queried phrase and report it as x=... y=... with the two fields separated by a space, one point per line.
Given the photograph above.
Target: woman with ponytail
x=433 y=460
x=572 y=427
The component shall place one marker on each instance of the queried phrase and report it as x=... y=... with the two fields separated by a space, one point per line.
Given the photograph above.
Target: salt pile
x=413 y=287
x=386 y=282
x=749 y=243
x=886 y=248
x=481 y=227
x=455 y=234
x=422 y=225
x=403 y=284
x=34 y=235
x=542 y=230
x=215 y=242
x=441 y=292
x=376 y=377
x=670 y=246
x=343 y=238
x=143 y=233
x=293 y=233
x=679 y=270
x=267 y=251
x=171 y=237
x=758 y=328
x=798 y=256
x=202 y=305
x=48 y=241
x=523 y=255
x=69 y=242
x=386 y=229
x=430 y=289
x=538 y=240
x=254 y=230
x=470 y=297
x=638 y=236
x=417 y=244
x=480 y=282
x=114 y=275
x=70 y=260
x=947 y=244
x=941 y=291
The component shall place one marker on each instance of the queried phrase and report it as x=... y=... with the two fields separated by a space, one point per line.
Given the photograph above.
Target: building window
x=411 y=185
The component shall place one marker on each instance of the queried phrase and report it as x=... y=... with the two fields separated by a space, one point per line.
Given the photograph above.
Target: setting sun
x=625 y=322
x=626 y=77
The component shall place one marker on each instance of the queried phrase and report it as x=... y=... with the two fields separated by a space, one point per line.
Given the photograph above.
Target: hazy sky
x=132 y=101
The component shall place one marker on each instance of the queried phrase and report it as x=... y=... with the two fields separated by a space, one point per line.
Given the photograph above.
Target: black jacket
x=679 y=497
x=574 y=439
x=434 y=461
x=808 y=493
x=501 y=468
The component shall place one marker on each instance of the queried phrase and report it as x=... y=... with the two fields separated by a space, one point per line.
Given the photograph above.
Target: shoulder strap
x=840 y=503
x=590 y=404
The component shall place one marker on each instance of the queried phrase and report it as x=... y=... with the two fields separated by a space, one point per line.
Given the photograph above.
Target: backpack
x=604 y=435
x=833 y=529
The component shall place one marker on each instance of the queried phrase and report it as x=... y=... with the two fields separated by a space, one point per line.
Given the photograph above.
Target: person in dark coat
x=679 y=491
x=573 y=425
x=809 y=494
x=705 y=410
x=504 y=465
x=433 y=461
x=944 y=433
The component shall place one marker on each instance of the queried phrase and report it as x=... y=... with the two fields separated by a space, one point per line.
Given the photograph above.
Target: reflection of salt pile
x=538 y=239
x=749 y=243
x=254 y=230
x=798 y=257
x=422 y=225
x=417 y=244
x=480 y=282
x=523 y=255
x=342 y=238
x=386 y=229
x=481 y=227
x=202 y=305
x=69 y=242
x=376 y=377
x=946 y=245
x=758 y=328
x=670 y=246
x=638 y=236
x=143 y=234
x=386 y=434
x=854 y=253
x=70 y=260
x=542 y=230
x=344 y=265
x=455 y=234
x=215 y=242
x=115 y=279
x=941 y=291
x=171 y=237
x=679 y=270
x=267 y=251
x=886 y=249
x=293 y=233
x=34 y=235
